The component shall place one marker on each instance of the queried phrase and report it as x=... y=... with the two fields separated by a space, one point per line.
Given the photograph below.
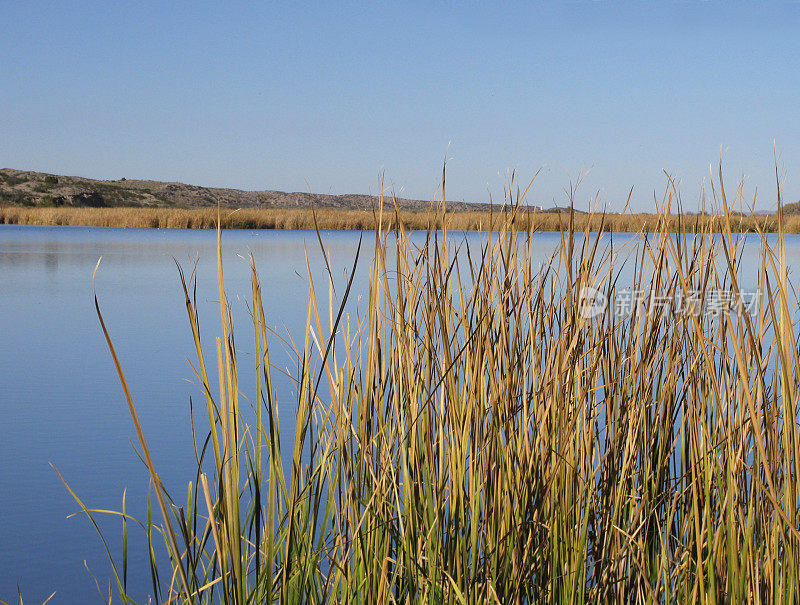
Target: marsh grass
x=476 y=437
x=330 y=219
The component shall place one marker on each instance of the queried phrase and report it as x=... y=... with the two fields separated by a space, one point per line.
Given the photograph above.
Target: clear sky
x=325 y=97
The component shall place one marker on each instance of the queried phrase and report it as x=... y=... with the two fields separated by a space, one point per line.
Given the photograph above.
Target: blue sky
x=325 y=97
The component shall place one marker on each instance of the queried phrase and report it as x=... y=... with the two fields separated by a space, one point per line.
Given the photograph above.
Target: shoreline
x=327 y=219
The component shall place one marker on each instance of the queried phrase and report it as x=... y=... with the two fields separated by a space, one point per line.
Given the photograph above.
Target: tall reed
x=341 y=219
x=484 y=434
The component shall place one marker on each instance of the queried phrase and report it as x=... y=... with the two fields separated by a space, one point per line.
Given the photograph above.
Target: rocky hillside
x=25 y=188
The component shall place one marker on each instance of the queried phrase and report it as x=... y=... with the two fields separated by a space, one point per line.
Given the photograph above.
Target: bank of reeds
x=483 y=434
x=337 y=219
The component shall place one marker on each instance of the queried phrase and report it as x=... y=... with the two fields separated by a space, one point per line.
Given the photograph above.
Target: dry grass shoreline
x=344 y=220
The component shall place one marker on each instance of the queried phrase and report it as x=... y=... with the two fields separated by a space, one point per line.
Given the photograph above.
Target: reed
x=479 y=436
x=337 y=219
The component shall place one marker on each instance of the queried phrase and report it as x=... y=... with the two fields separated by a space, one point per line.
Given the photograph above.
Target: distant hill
x=26 y=188
x=556 y=209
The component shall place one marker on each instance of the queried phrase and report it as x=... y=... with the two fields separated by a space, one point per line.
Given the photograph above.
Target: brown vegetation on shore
x=337 y=219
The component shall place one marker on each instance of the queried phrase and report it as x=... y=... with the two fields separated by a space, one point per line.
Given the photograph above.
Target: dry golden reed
x=330 y=219
x=475 y=436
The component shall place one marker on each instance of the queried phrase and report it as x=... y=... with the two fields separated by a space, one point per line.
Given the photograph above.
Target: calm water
x=60 y=400
x=61 y=403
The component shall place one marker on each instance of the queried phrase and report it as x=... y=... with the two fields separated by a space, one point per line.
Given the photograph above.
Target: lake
x=61 y=402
